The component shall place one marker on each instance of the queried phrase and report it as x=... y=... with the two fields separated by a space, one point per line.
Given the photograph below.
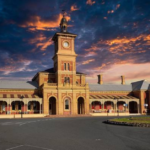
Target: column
x=127 y=107
x=102 y=103
x=7 y=108
x=40 y=108
x=115 y=107
x=138 y=107
x=25 y=107
x=90 y=107
x=102 y=106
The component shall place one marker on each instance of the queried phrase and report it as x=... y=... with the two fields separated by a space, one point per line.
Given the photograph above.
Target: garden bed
x=131 y=121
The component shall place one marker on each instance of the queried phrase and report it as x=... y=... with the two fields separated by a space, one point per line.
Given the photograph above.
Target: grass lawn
x=144 y=119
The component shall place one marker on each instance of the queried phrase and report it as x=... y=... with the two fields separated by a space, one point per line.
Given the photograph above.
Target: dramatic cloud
x=37 y=23
x=90 y=2
x=112 y=37
x=74 y=8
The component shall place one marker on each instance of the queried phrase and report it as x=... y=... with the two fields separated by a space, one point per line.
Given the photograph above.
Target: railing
x=81 y=85
x=52 y=84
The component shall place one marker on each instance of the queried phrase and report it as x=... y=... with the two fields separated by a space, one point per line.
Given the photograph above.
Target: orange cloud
x=112 y=11
x=123 y=45
x=90 y=54
x=87 y=61
x=74 y=8
x=90 y=2
x=38 y=24
x=117 y=6
x=46 y=44
x=41 y=41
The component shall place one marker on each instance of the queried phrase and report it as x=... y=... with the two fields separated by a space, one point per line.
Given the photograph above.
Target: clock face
x=66 y=44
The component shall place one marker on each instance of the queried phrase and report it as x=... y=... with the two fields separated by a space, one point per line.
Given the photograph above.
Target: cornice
x=110 y=91
x=19 y=90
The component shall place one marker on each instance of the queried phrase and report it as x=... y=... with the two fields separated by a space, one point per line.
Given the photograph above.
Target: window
x=13 y=105
x=68 y=66
x=66 y=104
x=64 y=66
x=67 y=80
x=29 y=106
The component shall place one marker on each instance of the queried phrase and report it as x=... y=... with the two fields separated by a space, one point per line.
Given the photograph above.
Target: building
x=62 y=90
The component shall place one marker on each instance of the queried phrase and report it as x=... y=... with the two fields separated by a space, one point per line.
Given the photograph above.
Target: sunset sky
x=113 y=37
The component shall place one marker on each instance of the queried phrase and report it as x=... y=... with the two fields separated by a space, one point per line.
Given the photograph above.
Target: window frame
x=68 y=105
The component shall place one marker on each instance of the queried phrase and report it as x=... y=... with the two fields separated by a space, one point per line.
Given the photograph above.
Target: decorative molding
x=52 y=94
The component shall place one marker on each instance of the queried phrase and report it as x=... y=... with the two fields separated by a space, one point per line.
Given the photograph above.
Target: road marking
x=38 y=147
x=23 y=123
x=14 y=147
x=29 y=146
x=98 y=139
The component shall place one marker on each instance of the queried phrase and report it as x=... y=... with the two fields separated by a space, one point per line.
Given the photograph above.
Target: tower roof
x=63 y=24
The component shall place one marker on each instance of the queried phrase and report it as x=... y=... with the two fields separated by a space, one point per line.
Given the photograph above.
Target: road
x=82 y=133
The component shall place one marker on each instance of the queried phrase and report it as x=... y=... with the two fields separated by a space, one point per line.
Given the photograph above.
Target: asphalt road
x=85 y=133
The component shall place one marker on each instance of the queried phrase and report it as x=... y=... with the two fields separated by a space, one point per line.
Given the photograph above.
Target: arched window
x=64 y=66
x=67 y=80
x=66 y=104
x=68 y=66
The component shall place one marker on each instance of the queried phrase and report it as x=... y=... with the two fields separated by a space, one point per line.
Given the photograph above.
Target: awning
x=18 y=96
x=96 y=96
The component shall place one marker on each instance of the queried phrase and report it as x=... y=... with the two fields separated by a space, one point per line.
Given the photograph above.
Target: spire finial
x=63 y=23
x=63 y=12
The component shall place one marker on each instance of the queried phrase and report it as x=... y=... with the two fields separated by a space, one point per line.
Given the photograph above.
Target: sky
x=113 y=37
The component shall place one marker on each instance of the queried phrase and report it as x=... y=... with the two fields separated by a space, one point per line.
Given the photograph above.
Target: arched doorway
x=52 y=106
x=81 y=109
x=133 y=107
x=3 y=107
x=96 y=106
x=17 y=107
x=120 y=106
x=108 y=105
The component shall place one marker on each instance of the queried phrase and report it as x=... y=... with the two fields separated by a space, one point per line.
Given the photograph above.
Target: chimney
x=100 y=80
x=122 y=80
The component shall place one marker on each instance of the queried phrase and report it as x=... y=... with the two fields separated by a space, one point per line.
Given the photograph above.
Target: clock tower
x=64 y=56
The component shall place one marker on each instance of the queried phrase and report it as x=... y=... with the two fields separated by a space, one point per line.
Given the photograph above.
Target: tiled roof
x=110 y=87
x=96 y=96
x=8 y=84
x=140 y=85
x=18 y=96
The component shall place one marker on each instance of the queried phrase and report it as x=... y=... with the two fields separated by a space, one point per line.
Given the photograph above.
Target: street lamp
x=117 y=105
x=146 y=105
x=125 y=106
x=21 y=105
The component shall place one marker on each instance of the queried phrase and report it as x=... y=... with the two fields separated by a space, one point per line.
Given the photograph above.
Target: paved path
x=87 y=133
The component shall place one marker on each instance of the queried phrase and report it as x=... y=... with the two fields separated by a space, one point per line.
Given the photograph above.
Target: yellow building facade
x=62 y=90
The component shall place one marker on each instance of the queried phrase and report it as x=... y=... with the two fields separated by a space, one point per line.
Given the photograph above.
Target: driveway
x=81 y=133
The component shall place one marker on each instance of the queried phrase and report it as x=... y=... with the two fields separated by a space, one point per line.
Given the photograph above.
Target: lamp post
x=146 y=105
x=117 y=105
x=21 y=107
x=125 y=106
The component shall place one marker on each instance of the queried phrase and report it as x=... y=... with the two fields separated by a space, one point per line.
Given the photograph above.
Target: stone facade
x=62 y=90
